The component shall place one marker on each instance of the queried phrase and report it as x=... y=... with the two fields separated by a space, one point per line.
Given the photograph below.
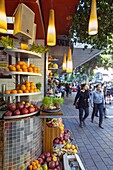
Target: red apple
x=12 y=107
x=42 y=156
x=48 y=159
x=26 y=106
x=20 y=106
x=52 y=164
x=8 y=113
x=31 y=109
x=40 y=160
x=47 y=154
x=25 y=111
x=56 y=163
x=16 y=112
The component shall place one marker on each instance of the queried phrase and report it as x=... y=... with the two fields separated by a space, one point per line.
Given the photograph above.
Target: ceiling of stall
x=64 y=10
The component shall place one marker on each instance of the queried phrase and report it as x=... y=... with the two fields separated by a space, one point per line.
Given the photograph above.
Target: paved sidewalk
x=95 y=144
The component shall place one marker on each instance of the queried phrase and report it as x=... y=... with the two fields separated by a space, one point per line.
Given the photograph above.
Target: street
x=95 y=144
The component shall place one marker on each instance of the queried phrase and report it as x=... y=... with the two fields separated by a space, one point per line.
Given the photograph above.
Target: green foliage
x=38 y=85
x=47 y=101
x=7 y=42
x=58 y=100
x=79 y=27
x=38 y=48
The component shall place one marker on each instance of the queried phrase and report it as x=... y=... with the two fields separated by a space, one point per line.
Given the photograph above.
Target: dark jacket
x=82 y=99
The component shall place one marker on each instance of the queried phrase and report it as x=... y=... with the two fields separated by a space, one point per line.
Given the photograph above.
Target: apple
x=61 y=138
x=66 y=138
x=12 y=107
x=58 y=167
x=42 y=156
x=40 y=160
x=8 y=113
x=56 y=163
x=25 y=111
x=20 y=106
x=26 y=106
x=49 y=159
x=16 y=112
x=31 y=109
x=56 y=140
x=52 y=164
x=47 y=154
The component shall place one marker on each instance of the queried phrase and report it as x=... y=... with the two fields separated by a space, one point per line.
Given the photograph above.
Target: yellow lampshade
x=51 y=32
x=3 y=21
x=64 y=62
x=69 y=67
x=93 y=21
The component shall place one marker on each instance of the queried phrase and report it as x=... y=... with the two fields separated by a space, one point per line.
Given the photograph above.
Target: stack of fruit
x=27 y=87
x=21 y=108
x=53 y=65
x=70 y=149
x=22 y=66
x=46 y=161
x=51 y=58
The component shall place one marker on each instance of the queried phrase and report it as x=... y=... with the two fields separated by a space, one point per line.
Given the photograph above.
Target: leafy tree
x=79 y=27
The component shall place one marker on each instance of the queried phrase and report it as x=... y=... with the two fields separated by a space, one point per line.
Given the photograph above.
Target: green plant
x=38 y=85
x=7 y=42
x=47 y=101
x=38 y=48
x=58 y=100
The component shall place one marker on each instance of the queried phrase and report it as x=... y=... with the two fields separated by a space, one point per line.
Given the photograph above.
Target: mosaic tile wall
x=22 y=143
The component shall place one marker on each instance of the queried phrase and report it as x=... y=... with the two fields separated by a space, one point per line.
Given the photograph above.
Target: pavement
x=95 y=144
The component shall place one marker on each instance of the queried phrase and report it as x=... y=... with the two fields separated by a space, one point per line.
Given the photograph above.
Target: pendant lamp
x=51 y=32
x=69 y=66
x=3 y=21
x=64 y=62
x=93 y=21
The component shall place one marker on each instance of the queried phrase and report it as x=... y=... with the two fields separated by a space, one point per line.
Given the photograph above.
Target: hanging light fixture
x=69 y=66
x=64 y=62
x=93 y=21
x=3 y=21
x=51 y=32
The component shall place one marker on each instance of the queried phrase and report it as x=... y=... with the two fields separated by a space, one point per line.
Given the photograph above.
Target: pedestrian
x=82 y=100
x=98 y=103
x=67 y=89
x=105 y=95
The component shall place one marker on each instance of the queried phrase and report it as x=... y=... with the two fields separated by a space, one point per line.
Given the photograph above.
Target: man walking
x=98 y=103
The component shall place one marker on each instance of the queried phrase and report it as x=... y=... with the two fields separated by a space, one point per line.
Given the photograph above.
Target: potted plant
x=57 y=102
x=46 y=102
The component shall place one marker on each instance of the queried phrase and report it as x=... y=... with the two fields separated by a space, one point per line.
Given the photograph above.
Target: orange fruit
x=27 y=84
x=31 y=91
x=26 y=91
x=13 y=68
x=18 y=88
x=30 y=69
x=28 y=88
x=30 y=167
x=23 y=66
x=20 y=70
x=35 y=90
x=38 y=70
x=14 y=91
x=7 y=91
x=26 y=81
x=20 y=63
x=32 y=65
x=32 y=87
x=32 y=84
x=35 y=70
x=17 y=67
x=23 y=87
x=38 y=90
x=20 y=91
x=25 y=70
x=7 y=69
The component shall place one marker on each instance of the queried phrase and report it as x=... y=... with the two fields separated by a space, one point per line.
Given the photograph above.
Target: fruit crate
x=72 y=162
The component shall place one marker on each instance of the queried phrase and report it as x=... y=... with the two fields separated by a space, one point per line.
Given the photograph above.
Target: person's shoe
x=105 y=117
x=84 y=122
x=96 y=115
x=92 y=120
x=100 y=126
x=81 y=125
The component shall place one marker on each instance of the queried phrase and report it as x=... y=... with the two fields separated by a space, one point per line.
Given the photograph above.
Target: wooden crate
x=49 y=134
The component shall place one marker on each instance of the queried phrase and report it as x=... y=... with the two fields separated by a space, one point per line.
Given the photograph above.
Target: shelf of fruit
x=22 y=68
x=26 y=53
x=20 y=110
x=26 y=89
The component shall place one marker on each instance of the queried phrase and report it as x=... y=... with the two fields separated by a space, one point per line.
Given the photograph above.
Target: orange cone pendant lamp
x=93 y=21
x=51 y=32
x=3 y=21
x=64 y=62
x=69 y=66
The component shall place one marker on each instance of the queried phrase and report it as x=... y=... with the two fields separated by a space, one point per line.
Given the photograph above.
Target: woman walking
x=82 y=102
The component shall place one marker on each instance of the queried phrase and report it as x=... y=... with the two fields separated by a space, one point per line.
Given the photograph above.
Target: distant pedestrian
x=82 y=100
x=67 y=89
x=98 y=103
